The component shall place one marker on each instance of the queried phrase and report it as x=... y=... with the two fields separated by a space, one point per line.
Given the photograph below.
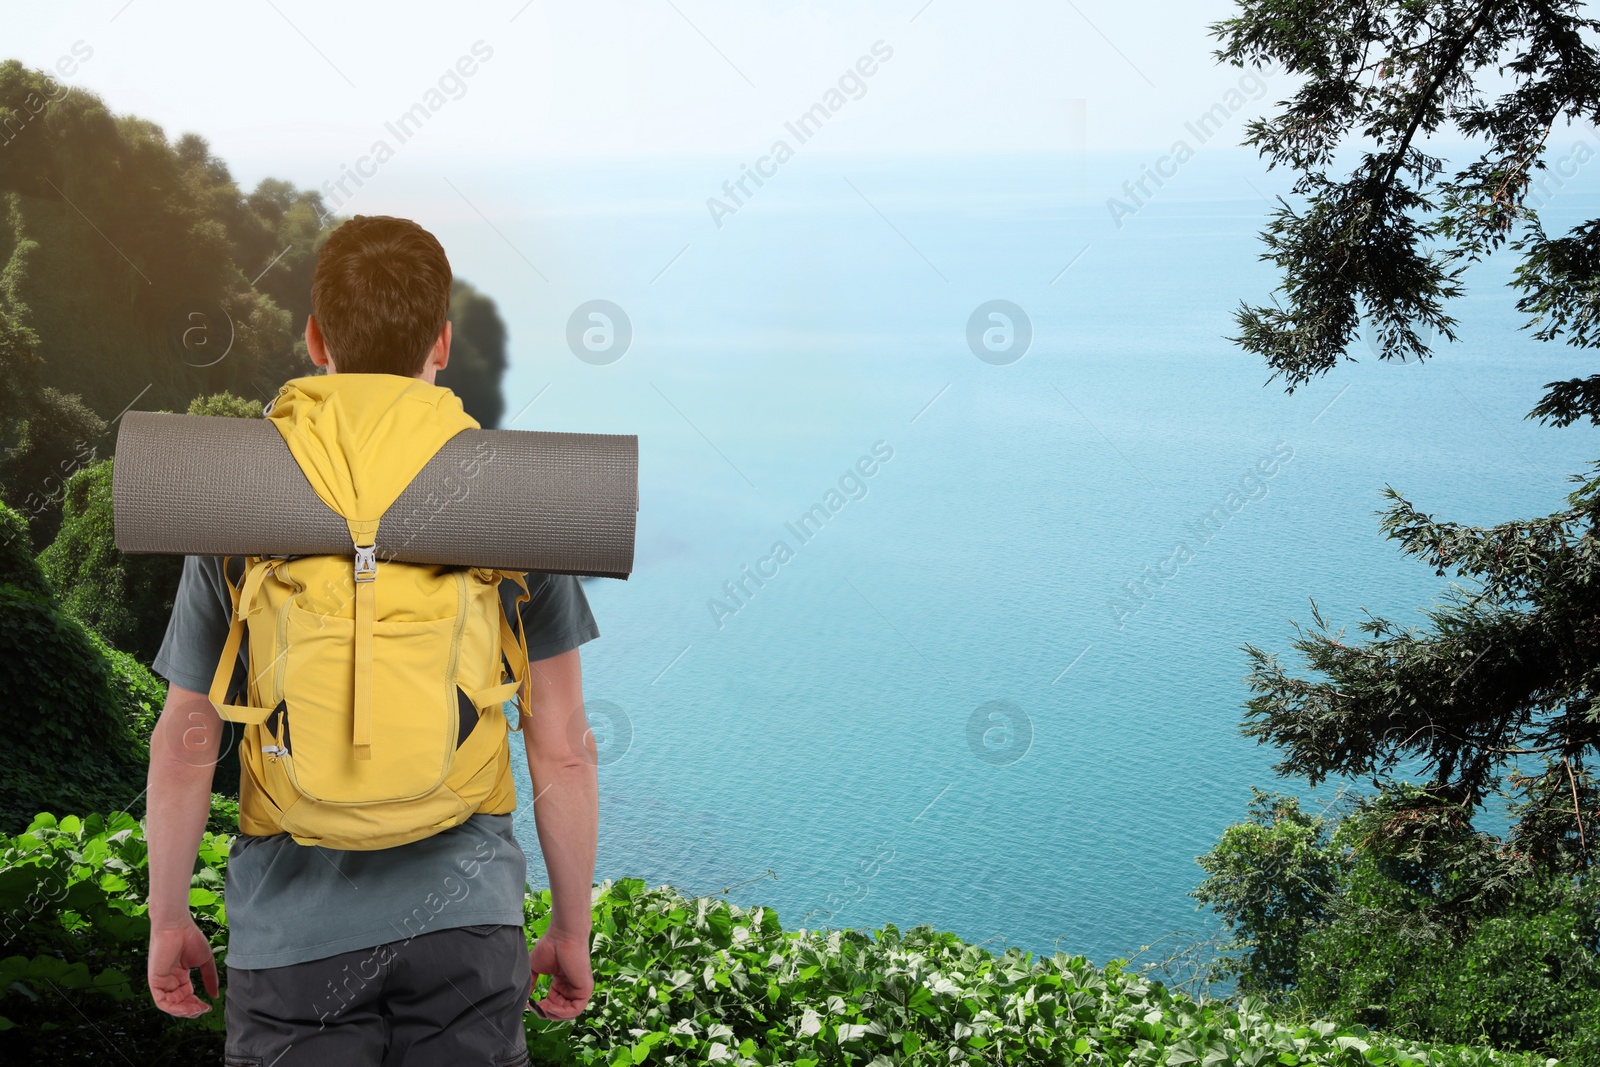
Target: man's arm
x=561 y=765
x=183 y=755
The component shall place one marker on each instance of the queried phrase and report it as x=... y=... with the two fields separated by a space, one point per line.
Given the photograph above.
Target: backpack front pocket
x=414 y=709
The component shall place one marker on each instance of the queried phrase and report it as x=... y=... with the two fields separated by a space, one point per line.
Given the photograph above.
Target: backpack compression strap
x=514 y=646
x=241 y=598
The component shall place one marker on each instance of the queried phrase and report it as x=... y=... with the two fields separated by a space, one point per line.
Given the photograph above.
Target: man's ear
x=439 y=358
x=315 y=348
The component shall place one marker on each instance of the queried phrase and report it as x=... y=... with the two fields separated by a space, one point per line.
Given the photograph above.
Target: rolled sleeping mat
x=203 y=485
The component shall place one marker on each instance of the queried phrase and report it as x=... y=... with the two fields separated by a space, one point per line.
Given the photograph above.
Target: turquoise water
x=834 y=730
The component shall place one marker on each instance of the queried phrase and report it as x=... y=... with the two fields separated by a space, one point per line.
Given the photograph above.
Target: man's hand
x=566 y=959
x=561 y=768
x=174 y=951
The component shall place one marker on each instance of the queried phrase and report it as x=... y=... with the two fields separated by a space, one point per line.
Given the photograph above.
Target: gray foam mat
x=566 y=503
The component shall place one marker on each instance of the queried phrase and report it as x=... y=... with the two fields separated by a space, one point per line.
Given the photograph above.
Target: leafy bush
x=75 y=939
x=704 y=980
x=1271 y=879
x=17 y=565
x=127 y=599
x=1523 y=978
x=79 y=711
x=57 y=437
x=139 y=694
x=19 y=363
x=225 y=404
x=69 y=746
x=1399 y=914
x=677 y=981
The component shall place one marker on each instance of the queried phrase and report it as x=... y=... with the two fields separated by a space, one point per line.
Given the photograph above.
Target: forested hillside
x=135 y=270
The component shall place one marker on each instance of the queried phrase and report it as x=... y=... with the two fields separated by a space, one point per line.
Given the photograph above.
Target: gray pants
x=453 y=996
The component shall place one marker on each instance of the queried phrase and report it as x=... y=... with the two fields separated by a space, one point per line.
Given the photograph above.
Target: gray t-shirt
x=289 y=903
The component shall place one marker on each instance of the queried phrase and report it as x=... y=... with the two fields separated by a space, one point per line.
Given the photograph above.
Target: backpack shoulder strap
x=514 y=646
x=240 y=598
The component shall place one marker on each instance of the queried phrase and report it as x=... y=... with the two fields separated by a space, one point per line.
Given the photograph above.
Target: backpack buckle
x=366 y=562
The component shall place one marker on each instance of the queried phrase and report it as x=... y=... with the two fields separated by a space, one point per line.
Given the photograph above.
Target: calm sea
x=998 y=688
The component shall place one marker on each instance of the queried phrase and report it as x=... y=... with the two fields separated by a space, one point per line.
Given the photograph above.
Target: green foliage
x=676 y=981
x=224 y=818
x=225 y=404
x=17 y=565
x=70 y=745
x=58 y=436
x=138 y=693
x=45 y=434
x=1417 y=923
x=1560 y=283
x=1271 y=879
x=1504 y=667
x=76 y=711
x=130 y=235
x=1524 y=977
x=1389 y=240
x=703 y=979
x=127 y=599
x=278 y=218
x=75 y=940
x=1436 y=927
x=18 y=364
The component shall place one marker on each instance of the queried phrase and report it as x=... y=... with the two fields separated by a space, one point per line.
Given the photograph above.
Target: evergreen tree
x=1400 y=911
x=1508 y=666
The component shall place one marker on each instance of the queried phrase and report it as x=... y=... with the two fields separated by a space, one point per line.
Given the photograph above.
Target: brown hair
x=380 y=294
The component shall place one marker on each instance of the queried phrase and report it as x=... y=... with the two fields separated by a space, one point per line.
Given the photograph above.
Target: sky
x=298 y=89
x=508 y=123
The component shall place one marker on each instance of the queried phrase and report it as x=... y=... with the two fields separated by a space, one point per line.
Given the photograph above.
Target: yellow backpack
x=372 y=699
